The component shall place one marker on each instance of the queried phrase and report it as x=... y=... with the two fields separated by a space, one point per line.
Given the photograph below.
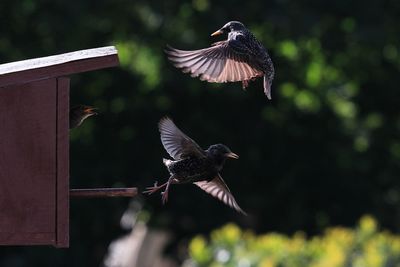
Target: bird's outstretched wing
x=178 y=144
x=218 y=189
x=226 y=61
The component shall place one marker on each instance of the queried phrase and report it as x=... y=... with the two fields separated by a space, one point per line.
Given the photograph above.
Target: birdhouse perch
x=34 y=146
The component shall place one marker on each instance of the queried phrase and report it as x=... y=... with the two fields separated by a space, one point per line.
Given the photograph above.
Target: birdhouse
x=34 y=145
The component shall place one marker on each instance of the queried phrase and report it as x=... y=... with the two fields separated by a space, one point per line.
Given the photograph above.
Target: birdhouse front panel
x=34 y=145
x=28 y=163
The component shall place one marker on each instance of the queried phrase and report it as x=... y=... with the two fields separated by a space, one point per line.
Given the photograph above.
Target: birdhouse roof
x=30 y=70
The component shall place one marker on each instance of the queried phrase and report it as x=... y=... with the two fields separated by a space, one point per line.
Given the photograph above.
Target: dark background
x=323 y=152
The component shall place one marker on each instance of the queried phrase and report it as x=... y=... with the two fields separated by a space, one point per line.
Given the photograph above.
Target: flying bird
x=239 y=58
x=192 y=164
x=78 y=114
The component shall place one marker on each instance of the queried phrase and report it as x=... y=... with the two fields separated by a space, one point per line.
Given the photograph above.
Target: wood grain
x=62 y=220
x=28 y=163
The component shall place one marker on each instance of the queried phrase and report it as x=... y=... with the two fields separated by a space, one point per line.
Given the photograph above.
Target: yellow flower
x=363 y=246
x=198 y=249
x=368 y=224
x=268 y=262
x=230 y=234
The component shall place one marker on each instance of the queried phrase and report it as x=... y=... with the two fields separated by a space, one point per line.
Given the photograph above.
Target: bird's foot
x=152 y=189
x=164 y=196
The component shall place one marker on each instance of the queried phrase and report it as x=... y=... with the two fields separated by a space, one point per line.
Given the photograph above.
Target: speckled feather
x=193 y=169
x=239 y=58
x=192 y=164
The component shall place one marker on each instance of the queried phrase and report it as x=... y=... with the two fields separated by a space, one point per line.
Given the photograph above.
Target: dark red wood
x=62 y=231
x=103 y=192
x=34 y=145
x=28 y=163
x=56 y=66
x=13 y=239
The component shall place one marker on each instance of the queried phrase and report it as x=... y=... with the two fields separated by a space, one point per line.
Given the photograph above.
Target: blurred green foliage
x=323 y=152
x=337 y=247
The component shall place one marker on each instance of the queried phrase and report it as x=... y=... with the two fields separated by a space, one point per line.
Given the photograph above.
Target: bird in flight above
x=192 y=164
x=78 y=114
x=239 y=58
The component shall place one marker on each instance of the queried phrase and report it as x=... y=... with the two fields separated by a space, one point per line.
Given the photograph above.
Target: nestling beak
x=232 y=155
x=217 y=33
x=90 y=111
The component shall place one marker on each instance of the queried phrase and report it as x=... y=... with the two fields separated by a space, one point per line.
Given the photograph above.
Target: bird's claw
x=164 y=197
x=152 y=189
x=149 y=190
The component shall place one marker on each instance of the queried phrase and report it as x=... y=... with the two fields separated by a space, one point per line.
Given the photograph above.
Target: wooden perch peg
x=103 y=192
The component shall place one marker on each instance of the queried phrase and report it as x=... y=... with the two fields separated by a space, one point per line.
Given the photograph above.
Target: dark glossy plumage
x=239 y=58
x=192 y=164
x=78 y=114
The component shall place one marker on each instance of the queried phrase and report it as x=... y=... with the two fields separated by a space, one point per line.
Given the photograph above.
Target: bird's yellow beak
x=232 y=155
x=90 y=110
x=217 y=33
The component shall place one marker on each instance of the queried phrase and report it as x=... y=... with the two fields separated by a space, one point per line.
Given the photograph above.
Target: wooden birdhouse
x=34 y=145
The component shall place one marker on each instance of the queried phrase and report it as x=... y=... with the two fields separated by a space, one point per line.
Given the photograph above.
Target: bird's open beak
x=217 y=33
x=232 y=155
x=90 y=111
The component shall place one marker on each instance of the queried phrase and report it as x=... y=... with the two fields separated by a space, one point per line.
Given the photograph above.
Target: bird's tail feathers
x=267 y=87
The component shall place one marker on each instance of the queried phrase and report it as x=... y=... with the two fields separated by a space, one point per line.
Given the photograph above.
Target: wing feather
x=176 y=143
x=218 y=189
x=219 y=63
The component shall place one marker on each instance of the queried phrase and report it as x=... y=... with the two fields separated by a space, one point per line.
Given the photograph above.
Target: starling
x=78 y=114
x=239 y=58
x=192 y=164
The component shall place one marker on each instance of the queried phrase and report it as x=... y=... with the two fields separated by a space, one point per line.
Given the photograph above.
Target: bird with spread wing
x=239 y=58
x=192 y=164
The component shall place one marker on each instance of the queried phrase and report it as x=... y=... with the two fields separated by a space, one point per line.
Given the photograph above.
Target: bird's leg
x=245 y=83
x=155 y=188
x=164 y=194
